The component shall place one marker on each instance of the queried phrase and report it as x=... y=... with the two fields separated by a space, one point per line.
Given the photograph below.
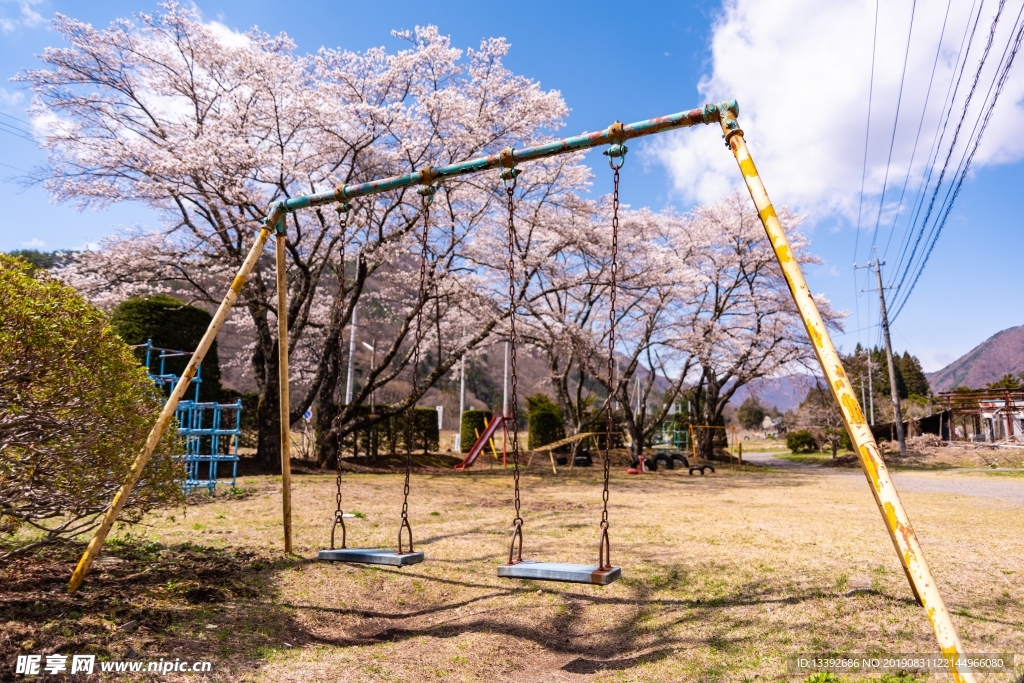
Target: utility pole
x=504 y=396
x=462 y=398
x=351 y=357
x=894 y=390
x=871 y=391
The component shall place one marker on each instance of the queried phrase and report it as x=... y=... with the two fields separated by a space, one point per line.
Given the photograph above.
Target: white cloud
x=26 y=17
x=11 y=101
x=228 y=36
x=34 y=243
x=800 y=70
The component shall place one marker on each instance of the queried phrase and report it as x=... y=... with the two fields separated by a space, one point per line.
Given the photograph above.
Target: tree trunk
x=268 y=417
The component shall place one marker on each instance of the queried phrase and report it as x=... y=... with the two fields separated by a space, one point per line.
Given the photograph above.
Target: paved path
x=955 y=482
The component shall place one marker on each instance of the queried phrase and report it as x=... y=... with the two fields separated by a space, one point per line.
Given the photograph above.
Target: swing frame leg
x=897 y=522
x=166 y=414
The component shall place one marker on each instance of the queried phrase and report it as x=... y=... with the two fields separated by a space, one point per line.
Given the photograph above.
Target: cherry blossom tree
x=210 y=127
x=569 y=318
x=744 y=324
x=702 y=308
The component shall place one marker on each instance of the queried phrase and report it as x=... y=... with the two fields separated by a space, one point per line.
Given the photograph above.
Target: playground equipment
x=725 y=114
x=497 y=422
x=603 y=572
x=401 y=557
x=201 y=424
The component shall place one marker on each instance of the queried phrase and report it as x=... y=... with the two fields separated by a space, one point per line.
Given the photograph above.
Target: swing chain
x=604 y=553
x=427 y=193
x=508 y=177
x=339 y=515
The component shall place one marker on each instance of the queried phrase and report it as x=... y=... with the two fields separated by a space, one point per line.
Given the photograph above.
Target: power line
x=13 y=167
x=1002 y=78
x=956 y=135
x=933 y=152
x=895 y=123
x=867 y=134
x=16 y=132
x=15 y=118
x=920 y=126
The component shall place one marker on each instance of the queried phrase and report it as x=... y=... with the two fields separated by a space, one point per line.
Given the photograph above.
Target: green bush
x=75 y=408
x=425 y=434
x=801 y=441
x=544 y=428
x=171 y=324
x=473 y=421
x=544 y=420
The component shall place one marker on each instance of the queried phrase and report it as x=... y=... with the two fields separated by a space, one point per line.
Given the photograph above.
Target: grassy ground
x=724 y=576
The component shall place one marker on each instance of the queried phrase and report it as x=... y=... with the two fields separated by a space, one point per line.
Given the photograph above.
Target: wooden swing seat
x=560 y=571
x=370 y=556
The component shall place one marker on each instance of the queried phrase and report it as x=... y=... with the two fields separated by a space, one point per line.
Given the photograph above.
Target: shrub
x=473 y=421
x=545 y=421
x=75 y=408
x=801 y=441
x=425 y=434
x=171 y=324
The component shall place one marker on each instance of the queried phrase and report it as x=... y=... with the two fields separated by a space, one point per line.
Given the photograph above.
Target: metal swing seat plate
x=370 y=556
x=560 y=571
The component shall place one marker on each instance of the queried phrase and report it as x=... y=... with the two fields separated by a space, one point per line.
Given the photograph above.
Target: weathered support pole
x=896 y=520
x=282 y=374
x=93 y=549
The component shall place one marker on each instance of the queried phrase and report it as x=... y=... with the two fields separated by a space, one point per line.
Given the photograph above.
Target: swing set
x=896 y=520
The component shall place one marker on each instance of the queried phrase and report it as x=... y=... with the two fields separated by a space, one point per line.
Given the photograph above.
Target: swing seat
x=370 y=556
x=560 y=571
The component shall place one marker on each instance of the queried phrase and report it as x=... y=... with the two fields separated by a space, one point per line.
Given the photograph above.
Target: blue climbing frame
x=202 y=425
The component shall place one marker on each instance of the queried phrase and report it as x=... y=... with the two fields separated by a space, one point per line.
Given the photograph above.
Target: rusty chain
x=427 y=194
x=617 y=151
x=339 y=515
x=508 y=177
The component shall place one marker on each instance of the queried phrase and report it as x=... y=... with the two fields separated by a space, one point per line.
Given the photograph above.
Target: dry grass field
x=724 y=576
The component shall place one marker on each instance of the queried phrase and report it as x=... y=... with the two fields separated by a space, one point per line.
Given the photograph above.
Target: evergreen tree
x=751 y=413
x=915 y=382
x=171 y=324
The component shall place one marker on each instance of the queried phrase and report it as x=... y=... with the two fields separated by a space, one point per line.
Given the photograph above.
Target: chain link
x=339 y=515
x=604 y=555
x=427 y=194
x=510 y=188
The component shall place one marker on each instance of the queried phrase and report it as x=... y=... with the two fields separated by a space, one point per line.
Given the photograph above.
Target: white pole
x=504 y=397
x=871 y=392
x=462 y=398
x=351 y=357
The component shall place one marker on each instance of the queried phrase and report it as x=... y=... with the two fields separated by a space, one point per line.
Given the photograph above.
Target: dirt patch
x=143 y=601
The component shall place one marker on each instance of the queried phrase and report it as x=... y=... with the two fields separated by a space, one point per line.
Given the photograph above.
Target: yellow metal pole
x=93 y=549
x=896 y=520
x=282 y=375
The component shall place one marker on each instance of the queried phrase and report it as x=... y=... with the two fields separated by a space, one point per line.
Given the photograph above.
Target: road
x=956 y=482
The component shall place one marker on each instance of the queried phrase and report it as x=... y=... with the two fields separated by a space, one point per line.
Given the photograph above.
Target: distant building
x=772 y=426
x=985 y=415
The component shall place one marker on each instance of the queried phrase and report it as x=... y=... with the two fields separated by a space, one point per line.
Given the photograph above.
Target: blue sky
x=802 y=73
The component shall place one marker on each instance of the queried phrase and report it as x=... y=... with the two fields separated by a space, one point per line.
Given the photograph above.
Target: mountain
x=998 y=355
x=785 y=393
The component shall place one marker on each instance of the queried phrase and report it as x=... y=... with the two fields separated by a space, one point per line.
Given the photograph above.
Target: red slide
x=481 y=443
